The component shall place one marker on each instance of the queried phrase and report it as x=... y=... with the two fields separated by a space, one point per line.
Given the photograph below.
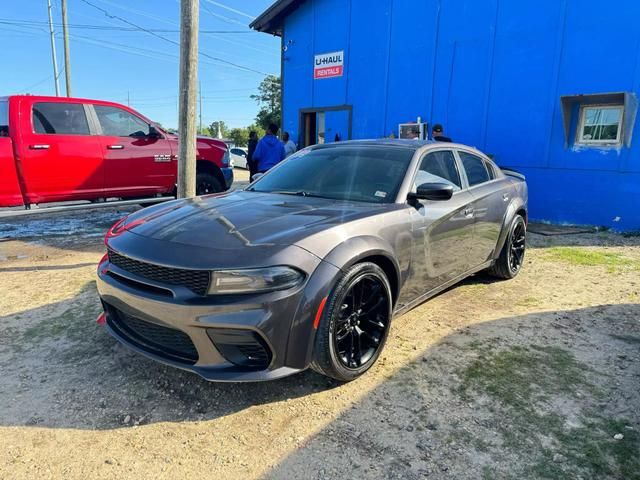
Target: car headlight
x=254 y=280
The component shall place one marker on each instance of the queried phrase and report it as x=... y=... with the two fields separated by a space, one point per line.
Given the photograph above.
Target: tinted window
x=491 y=170
x=60 y=118
x=349 y=172
x=474 y=166
x=439 y=167
x=4 y=118
x=117 y=122
x=237 y=151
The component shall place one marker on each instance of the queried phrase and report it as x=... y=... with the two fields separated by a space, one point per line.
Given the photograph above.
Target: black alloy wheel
x=517 y=246
x=355 y=323
x=207 y=183
x=511 y=258
x=361 y=323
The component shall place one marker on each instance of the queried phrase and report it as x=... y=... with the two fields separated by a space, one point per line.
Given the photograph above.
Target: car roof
x=396 y=142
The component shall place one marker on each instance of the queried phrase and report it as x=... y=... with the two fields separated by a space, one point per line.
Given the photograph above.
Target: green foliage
x=239 y=136
x=218 y=124
x=269 y=101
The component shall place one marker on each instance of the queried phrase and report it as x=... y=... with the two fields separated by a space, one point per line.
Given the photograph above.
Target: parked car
x=307 y=266
x=239 y=157
x=58 y=149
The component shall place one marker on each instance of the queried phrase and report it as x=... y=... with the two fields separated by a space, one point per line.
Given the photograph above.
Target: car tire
x=206 y=183
x=511 y=258
x=369 y=320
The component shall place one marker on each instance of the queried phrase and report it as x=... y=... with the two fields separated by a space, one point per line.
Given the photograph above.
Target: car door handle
x=39 y=146
x=468 y=212
x=505 y=197
x=115 y=147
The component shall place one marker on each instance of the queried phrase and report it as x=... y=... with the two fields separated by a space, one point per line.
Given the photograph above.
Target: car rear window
x=60 y=118
x=4 y=118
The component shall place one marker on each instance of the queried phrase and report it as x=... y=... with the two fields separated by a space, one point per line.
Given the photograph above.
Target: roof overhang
x=271 y=20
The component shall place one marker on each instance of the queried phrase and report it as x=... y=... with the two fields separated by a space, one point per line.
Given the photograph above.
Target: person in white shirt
x=289 y=147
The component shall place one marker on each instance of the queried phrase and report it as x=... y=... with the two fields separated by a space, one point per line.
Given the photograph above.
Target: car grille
x=157 y=339
x=195 y=280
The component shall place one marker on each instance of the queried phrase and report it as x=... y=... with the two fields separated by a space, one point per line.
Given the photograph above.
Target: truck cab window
x=60 y=119
x=4 y=118
x=117 y=122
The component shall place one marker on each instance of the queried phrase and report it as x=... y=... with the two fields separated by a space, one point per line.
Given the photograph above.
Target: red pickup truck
x=56 y=149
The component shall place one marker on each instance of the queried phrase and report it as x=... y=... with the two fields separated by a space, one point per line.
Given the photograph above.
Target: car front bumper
x=190 y=333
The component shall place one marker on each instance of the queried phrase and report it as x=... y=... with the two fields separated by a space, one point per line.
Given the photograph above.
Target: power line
x=226 y=7
x=17 y=22
x=173 y=42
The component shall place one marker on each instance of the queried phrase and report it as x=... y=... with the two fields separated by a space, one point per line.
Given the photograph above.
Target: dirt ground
x=537 y=377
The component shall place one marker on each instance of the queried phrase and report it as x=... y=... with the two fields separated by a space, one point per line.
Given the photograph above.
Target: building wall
x=492 y=72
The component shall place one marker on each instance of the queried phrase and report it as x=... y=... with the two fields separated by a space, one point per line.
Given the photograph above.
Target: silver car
x=308 y=266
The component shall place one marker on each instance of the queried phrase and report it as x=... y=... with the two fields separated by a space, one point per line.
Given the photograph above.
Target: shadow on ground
x=534 y=396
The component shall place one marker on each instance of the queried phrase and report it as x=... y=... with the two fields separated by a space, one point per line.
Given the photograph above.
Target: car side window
x=491 y=170
x=237 y=151
x=57 y=118
x=475 y=168
x=439 y=167
x=117 y=122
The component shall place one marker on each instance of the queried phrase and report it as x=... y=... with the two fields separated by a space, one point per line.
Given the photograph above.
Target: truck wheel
x=207 y=183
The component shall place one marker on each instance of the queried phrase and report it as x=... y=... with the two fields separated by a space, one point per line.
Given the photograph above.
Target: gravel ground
x=531 y=378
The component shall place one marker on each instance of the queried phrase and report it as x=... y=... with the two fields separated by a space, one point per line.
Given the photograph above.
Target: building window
x=600 y=125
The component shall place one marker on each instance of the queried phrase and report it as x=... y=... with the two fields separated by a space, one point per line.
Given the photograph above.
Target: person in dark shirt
x=251 y=163
x=438 y=134
x=270 y=150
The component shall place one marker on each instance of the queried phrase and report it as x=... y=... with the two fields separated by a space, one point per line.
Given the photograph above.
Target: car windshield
x=346 y=172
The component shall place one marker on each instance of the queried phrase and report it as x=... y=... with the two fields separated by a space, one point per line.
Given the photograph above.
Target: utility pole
x=67 y=55
x=200 y=92
x=128 y=99
x=53 y=51
x=189 y=14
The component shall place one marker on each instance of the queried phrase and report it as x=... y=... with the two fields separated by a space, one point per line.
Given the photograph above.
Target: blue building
x=547 y=87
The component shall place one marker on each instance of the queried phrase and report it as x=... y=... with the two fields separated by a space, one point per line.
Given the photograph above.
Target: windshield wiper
x=299 y=193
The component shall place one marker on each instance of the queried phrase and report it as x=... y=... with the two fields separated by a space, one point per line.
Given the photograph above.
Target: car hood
x=242 y=219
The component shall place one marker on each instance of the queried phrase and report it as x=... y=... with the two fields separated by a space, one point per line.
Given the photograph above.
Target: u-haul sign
x=328 y=65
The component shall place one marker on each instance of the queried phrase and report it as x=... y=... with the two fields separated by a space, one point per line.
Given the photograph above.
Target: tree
x=239 y=136
x=269 y=101
x=213 y=129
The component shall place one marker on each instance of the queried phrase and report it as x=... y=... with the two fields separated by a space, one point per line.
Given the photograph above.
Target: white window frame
x=580 y=140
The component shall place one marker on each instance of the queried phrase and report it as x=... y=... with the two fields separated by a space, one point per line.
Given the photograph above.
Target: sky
x=116 y=61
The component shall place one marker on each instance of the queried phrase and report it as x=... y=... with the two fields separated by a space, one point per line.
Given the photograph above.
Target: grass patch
x=526 y=384
x=529 y=302
x=587 y=257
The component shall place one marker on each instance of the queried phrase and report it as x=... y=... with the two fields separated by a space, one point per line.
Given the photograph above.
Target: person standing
x=289 y=146
x=438 y=134
x=270 y=150
x=251 y=148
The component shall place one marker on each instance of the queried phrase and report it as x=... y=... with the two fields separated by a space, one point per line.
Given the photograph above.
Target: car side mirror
x=154 y=132
x=432 y=191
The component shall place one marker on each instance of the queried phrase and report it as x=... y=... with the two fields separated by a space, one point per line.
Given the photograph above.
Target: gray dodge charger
x=308 y=266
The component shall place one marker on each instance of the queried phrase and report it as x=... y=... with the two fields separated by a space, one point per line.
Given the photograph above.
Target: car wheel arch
x=205 y=166
x=368 y=249
x=514 y=208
